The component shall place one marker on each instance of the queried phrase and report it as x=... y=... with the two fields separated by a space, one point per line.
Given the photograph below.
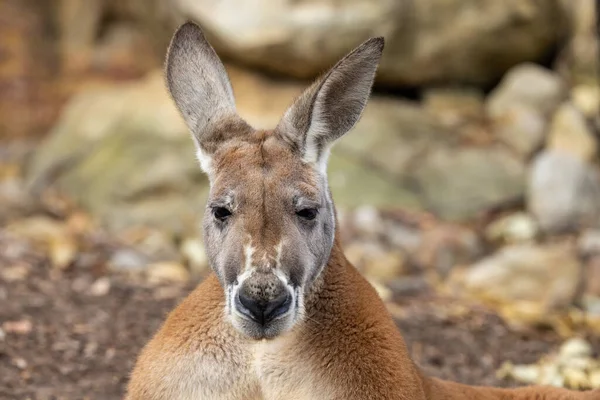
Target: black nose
x=262 y=311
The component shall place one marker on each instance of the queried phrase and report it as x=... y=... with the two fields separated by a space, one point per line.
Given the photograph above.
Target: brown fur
x=337 y=341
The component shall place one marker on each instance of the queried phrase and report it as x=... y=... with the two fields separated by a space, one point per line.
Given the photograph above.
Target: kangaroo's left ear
x=332 y=105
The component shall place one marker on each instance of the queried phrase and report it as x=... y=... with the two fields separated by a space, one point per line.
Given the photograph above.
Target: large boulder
x=124 y=153
x=470 y=41
x=461 y=183
x=580 y=58
x=543 y=277
x=563 y=191
x=521 y=105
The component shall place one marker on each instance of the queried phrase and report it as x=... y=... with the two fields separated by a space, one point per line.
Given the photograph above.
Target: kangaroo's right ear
x=199 y=84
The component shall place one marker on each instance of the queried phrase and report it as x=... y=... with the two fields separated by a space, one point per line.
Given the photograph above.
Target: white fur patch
x=248 y=254
x=205 y=161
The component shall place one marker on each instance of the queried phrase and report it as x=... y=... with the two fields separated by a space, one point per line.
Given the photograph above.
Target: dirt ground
x=66 y=337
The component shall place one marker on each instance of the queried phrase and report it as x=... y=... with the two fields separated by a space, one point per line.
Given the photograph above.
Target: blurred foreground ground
x=75 y=334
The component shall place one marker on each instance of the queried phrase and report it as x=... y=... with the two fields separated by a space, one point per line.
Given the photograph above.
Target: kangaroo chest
x=269 y=370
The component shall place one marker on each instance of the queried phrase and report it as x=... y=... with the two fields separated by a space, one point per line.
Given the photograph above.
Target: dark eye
x=221 y=213
x=307 y=213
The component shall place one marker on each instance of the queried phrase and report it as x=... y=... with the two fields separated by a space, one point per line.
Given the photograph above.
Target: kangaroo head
x=269 y=224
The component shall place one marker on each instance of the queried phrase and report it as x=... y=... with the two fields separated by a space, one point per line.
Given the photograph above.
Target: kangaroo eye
x=221 y=213
x=307 y=213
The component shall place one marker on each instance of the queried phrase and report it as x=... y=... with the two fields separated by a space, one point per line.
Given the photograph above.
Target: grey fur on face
x=269 y=225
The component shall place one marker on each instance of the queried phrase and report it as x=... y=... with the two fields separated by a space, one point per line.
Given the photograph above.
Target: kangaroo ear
x=332 y=105
x=200 y=87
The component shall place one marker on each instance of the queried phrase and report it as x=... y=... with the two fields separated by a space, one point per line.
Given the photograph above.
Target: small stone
x=546 y=277
x=521 y=128
x=14 y=273
x=454 y=106
x=587 y=99
x=402 y=236
x=513 y=228
x=563 y=192
x=167 y=272
x=195 y=255
x=446 y=246
x=20 y=363
x=570 y=133
x=100 y=287
x=575 y=347
x=526 y=373
x=591 y=302
x=22 y=327
x=575 y=378
x=592 y=278
x=527 y=85
x=550 y=375
x=127 y=260
x=521 y=105
x=63 y=250
x=595 y=378
x=386 y=266
x=367 y=221
x=589 y=242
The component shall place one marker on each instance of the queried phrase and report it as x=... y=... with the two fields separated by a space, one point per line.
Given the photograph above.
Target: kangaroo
x=283 y=314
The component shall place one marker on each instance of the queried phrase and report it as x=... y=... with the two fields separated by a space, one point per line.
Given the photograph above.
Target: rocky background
x=469 y=189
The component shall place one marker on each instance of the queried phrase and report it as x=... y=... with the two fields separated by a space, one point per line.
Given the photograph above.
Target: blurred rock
x=521 y=104
x=408 y=286
x=194 y=254
x=50 y=235
x=387 y=266
x=589 y=243
x=570 y=133
x=374 y=260
x=512 y=228
x=165 y=272
x=574 y=348
x=374 y=163
x=100 y=287
x=454 y=107
x=571 y=367
x=428 y=41
x=563 y=192
x=367 y=221
x=445 y=246
x=592 y=279
x=527 y=85
x=460 y=183
x=119 y=37
x=14 y=273
x=403 y=236
x=128 y=260
x=579 y=59
x=546 y=276
x=156 y=244
x=587 y=99
x=124 y=153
